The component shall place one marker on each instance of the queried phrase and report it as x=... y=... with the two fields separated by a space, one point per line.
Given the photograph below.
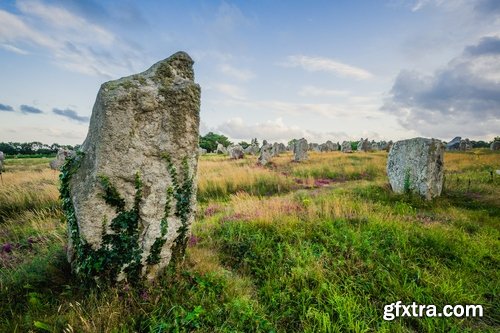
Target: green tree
x=480 y=144
x=209 y=141
x=244 y=144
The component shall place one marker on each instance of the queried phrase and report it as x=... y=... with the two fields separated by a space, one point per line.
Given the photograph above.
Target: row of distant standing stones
x=129 y=192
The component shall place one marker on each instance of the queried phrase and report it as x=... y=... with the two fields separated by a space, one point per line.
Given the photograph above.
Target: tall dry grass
x=336 y=166
x=219 y=178
x=27 y=190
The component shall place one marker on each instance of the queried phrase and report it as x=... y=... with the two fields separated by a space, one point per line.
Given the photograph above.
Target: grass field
x=318 y=246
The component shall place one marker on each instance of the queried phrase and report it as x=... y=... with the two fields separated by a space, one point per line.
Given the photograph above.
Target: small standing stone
x=235 y=152
x=265 y=155
x=300 y=150
x=346 y=147
x=220 y=148
x=61 y=156
x=465 y=145
x=328 y=146
x=364 y=145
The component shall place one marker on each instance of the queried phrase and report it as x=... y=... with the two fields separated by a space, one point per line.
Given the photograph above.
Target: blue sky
x=276 y=70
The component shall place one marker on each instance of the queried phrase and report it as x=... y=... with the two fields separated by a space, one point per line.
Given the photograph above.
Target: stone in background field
x=300 y=150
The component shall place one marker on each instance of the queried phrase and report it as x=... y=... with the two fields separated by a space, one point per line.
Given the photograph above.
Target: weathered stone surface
x=454 y=144
x=495 y=145
x=417 y=165
x=346 y=147
x=61 y=156
x=265 y=155
x=130 y=194
x=235 y=152
x=300 y=150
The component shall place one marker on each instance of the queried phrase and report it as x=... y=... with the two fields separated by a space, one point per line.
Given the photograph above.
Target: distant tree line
x=31 y=148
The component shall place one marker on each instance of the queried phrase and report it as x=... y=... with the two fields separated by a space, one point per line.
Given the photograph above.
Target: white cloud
x=354 y=107
x=72 y=42
x=230 y=90
x=237 y=129
x=237 y=73
x=461 y=98
x=62 y=19
x=446 y=4
x=13 y=29
x=315 y=64
x=14 y=49
x=317 y=91
x=275 y=130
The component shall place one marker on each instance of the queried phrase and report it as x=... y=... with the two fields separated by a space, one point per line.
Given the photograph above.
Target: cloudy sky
x=382 y=69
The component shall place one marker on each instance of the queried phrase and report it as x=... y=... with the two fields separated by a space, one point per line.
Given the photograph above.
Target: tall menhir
x=129 y=195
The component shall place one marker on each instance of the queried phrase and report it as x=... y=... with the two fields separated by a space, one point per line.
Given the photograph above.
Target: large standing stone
x=300 y=150
x=265 y=154
x=417 y=165
x=235 y=152
x=130 y=194
x=346 y=147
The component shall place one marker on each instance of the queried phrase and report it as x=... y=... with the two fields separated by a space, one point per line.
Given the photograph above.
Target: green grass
x=272 y=250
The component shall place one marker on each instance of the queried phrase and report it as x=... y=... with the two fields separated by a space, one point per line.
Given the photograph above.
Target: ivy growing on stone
x=68 y=169
x=182 y=191
x=120 y=251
